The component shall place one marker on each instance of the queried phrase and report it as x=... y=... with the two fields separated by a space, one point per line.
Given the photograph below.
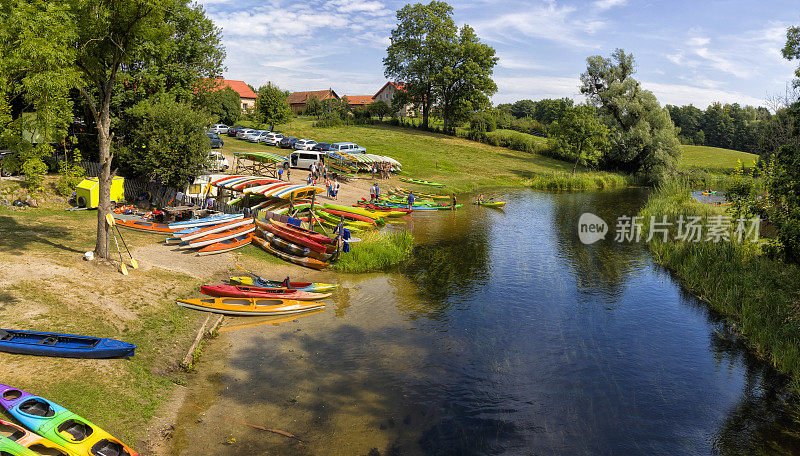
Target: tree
x=523 y=108
x=109 y=39
x=580 y=134
x=417 y=48
x=313 y=107
x=223 y=104
x=272 y=107
x=379 y=109
x=166 y=140
x=464 y=84
x=643 y=138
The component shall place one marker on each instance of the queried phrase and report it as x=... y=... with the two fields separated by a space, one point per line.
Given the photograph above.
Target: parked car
x=240 y=134
x=253 y=137
x=304 y=144
x=288 y=142
x=324 y=147
x=4 y=154
x=217 y=161
x=347 y=148
x=233 y=130
x=219 y=129
x=304 y=159
x=273 y=139
x=216 y=141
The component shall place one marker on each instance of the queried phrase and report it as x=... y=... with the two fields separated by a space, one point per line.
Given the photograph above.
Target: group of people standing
x=374 y=193
x=381 y=170
x=332 y=186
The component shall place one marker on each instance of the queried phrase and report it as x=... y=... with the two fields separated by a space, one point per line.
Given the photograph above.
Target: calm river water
x=505 y=335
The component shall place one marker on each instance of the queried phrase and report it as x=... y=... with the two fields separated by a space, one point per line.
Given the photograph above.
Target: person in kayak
x=481 y=200
x=410 y=199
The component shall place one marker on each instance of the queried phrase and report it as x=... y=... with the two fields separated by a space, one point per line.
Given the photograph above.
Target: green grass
x=462 y=165
x=581 y=181
x=758 y=295
x=713 y=158
x=377 y=251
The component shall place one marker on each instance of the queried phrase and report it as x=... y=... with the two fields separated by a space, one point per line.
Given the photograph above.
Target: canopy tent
x=361 y=162
x=261 y=163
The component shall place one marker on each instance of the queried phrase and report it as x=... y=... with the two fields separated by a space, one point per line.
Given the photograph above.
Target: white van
x=303 y=159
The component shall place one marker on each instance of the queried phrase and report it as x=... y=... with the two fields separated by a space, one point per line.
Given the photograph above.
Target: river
x=505 y=336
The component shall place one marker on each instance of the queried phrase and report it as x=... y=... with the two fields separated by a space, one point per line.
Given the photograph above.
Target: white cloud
x=608 y=4
x=677 y=94
x=511 y=89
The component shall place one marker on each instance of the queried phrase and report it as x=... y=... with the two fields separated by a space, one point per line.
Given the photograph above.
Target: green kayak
x=491 y=203
x=421 y=182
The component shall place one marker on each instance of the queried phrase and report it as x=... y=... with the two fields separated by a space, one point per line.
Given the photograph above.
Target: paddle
x=111 y=221
x=252 y=274
x=122 y=268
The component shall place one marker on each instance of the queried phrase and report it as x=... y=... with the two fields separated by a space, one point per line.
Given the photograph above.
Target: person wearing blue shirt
x=410 y=199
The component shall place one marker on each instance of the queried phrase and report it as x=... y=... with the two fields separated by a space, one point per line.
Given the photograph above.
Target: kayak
x=491 y=203
x=317 y=237
x=217 y=237
x=405 y=192
x=447 y=208
x=292 y=248
x=62 y=345
x=304 y=286
x=253 y=183
x=421 y=182
x=215 y=229
x=250 y=306
x=149 y=227
x=60 y=426
x=293 y=237
x=14 y=436
x=243 y=291
x=206 y=221
x=350 y=215
x=227 y=245
x=355 y=210
x=308 y=262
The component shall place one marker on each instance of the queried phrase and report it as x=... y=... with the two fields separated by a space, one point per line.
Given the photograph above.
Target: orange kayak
x=149 y=227
x=250 y=306
x=227 y=245
x=218 y=237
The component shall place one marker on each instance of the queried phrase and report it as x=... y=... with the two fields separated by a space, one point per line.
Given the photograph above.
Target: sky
x=687 y=52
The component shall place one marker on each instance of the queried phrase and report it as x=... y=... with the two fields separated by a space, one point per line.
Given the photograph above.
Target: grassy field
x=464 y=166
x=713 y=158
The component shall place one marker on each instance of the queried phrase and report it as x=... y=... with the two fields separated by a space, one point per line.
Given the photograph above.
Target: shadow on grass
x=16 y=238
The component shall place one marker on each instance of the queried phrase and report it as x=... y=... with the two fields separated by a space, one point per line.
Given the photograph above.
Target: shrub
x=71 y=174
x=377 y=251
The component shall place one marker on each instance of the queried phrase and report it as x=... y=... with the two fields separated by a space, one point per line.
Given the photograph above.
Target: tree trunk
x=104 y=178
x=426 y=108
x=575 y=166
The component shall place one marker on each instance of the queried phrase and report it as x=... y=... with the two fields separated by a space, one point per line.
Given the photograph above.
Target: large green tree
x=580 y=135
x=464 y=84
x=272 y=107
x=643 y=138
x=418 y=50
x=224 y=105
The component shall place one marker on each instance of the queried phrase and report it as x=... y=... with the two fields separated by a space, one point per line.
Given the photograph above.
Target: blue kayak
x=62 y=345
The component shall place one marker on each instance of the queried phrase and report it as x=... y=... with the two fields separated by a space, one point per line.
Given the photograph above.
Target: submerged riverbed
x=505 y=335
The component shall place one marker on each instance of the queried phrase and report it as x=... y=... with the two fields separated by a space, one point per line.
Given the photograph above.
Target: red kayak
x=347 y=215
x=254 y=183
x=296 y=238
x=364 y=203
x=321 y=238
x=241 y=291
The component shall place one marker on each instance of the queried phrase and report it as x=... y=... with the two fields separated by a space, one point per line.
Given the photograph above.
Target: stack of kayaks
x=54 y=430
x=62 y=345
x=292 y=243
x=222 y=234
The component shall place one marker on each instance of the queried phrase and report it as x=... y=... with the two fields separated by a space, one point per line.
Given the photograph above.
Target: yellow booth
x=88 y=192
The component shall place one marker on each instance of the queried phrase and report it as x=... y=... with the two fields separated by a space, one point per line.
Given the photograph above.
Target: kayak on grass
x=421 y=182
x=62 y=345
x=59 y=425
x=206 y=221
x=292 y=248
x=227 y=245
x=243 y=291
x=308 y=262
x=250 y=306
x=217 y=237
x=33 y=444
x=304 y=286
x=293 y=237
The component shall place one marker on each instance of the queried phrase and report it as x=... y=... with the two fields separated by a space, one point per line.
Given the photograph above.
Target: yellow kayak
x=250 y=306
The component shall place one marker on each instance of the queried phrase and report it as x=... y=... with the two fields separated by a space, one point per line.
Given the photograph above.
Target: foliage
x=71 y=173
x=643 y=139
x=32 y=164
x=580 y=135
x=272 y=107
x=379 y=109
x=376 y=252
x=166 y=140
x=580 y=181
x=728 y=126
x=223 y=104
x=483 y=122
x=783 y=184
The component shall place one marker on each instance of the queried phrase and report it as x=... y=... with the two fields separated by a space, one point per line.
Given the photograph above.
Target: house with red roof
x=297 y=100
x=358 y=100
x=246 y=95
x=386 y=94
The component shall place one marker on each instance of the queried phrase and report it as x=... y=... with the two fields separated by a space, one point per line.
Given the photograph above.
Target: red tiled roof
x=301 y=97
x=359 y=100
x=239 y=87
x=400 y=86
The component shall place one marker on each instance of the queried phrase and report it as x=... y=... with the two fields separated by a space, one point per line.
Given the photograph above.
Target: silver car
x=273 y=139
x=304 y=144
x=219 y=129
x=253 y=137
x=241 y=133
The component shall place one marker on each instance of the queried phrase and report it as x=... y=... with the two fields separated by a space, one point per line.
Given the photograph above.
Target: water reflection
x=504 y=335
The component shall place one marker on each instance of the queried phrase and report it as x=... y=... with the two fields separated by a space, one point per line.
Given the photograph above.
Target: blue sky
x=687 y=51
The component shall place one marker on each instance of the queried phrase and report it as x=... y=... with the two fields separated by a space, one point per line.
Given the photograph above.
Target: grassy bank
x=377 y=251
x=713 y=158
x=581 y=181
x=759 y=296
x=464 y=166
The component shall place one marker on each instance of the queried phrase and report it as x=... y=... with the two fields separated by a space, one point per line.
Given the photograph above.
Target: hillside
x=463 y=165
x=713 y=158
